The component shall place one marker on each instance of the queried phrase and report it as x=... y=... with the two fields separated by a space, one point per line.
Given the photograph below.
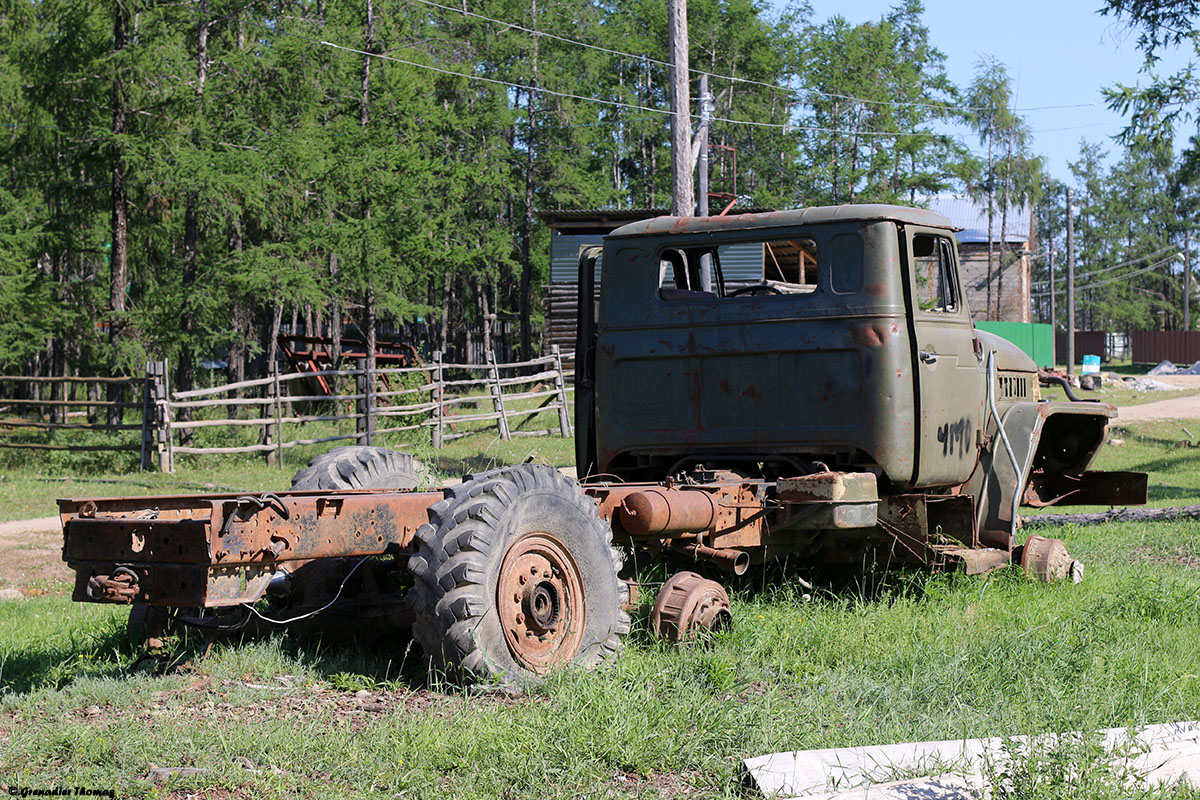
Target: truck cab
x=853 y=352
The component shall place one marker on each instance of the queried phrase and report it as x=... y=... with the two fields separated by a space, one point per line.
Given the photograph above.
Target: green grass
x=874 y=657
x=899 y=658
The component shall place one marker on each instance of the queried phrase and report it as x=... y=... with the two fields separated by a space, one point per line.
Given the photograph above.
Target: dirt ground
x=31 y=556
x=1175 y=408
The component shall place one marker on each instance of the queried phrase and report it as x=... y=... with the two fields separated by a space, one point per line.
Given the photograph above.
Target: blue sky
x=1059 y=52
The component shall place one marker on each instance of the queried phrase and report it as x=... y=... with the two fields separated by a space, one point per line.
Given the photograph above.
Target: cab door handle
x=928 y=358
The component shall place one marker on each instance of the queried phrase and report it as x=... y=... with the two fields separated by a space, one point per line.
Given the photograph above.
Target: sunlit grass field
x=872 y=657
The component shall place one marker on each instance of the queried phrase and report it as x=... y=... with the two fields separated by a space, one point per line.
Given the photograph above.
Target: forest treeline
x=187 y=179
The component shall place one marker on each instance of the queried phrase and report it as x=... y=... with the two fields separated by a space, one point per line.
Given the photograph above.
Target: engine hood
x=1008 y=356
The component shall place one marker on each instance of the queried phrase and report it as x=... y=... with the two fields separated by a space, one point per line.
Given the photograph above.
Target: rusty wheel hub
x=539 y=597
x=688 y=605
x=1049 y=560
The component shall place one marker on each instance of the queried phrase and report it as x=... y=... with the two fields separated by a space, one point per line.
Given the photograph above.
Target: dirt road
x=31 y=556
x=1175 y=408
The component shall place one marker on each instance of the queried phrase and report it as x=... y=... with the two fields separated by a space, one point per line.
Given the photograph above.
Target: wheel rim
x=540 y=601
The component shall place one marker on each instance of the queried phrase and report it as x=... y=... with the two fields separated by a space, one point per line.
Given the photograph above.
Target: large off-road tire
x=516 y=576
x=357 y=467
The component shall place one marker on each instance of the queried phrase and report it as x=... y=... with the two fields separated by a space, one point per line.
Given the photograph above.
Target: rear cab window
x=778 y=266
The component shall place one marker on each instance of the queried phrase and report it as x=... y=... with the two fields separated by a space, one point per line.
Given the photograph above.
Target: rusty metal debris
x=689 y=604
x=119 y=587
x=1049 y=560
x=727 y=558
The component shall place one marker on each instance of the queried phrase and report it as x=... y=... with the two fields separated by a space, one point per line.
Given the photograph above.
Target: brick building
x=1013 y=287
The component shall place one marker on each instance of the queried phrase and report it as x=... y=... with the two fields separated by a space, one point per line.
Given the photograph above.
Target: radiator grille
x=1014 y=387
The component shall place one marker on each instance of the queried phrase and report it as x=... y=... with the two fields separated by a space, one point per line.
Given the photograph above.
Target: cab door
x=947 y=359
x=586 y=315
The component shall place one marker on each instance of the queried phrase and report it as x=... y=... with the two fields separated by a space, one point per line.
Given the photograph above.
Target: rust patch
x=752 y=393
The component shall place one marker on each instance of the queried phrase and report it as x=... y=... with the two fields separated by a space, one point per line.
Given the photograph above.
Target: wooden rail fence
x=448 y=399
x=71 y=403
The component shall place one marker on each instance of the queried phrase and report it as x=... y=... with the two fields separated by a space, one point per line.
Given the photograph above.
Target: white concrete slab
x=1163 y=754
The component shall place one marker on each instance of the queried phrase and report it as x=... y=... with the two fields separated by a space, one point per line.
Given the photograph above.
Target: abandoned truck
x=841 y=409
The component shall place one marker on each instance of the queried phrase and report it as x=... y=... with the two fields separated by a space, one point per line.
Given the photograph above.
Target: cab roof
x=814 y=215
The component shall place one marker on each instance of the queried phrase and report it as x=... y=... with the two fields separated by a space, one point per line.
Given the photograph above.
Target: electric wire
x=785 y=126
x=1087 y=275
x=313 y=613
x=733 y=78
x=1108 y=281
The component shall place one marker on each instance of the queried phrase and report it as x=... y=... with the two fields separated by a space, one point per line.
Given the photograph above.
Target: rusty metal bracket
x=1090 y=488
x=264 y=500
x=119 y=587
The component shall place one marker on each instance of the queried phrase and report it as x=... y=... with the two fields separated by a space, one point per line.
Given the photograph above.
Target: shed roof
x=971 y=217
x=602 y=220
x=777 y=219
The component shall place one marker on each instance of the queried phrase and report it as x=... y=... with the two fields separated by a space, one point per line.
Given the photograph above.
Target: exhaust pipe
x=728 y=559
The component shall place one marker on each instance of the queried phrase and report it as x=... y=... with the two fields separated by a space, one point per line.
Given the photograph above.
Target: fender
x=1059 y=437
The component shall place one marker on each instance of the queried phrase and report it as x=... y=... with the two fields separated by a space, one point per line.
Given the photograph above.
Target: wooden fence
x=71 y=403
x=451 y=400
x=442 y=397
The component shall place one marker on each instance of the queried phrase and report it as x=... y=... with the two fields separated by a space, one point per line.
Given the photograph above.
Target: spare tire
x=357 y=467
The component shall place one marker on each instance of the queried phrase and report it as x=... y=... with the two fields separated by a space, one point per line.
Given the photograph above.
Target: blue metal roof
x=971 y=216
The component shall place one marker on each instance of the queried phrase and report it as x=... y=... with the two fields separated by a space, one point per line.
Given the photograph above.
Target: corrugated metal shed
x=739 y=262
x=971 y=216
x=564 y=255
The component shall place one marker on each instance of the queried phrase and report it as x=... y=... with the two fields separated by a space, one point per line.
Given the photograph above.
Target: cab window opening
x=933 y=268
x=784 y=267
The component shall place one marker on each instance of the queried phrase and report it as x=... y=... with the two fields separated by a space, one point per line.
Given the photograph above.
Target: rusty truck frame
x=842 y=409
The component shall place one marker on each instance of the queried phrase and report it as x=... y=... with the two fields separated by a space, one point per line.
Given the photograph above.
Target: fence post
x=278 y=415
x=147 y=417
x=361 y=411
x=560 y=383
x=435 y=397
x=162 y=415
x=497 y=395
x=93 y=394
x=369 y=400
x=268 y=412
x=149 y=413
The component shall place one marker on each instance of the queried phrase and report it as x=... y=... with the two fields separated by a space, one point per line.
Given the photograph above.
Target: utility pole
x=702 y=157
x=705 y=118
x=1187 y=281
x=683 y=201
x=1053 y=324
x=1070 y=284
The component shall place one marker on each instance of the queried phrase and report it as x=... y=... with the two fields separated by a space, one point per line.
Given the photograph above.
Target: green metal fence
x=1035 y=338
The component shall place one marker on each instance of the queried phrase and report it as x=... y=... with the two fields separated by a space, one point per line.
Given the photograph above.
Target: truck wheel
x=357 y=467
x=516 y=576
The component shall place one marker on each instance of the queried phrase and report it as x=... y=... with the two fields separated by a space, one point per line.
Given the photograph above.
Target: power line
x=1114 y=279
x=786 y=126
x=645 y=58
x=1146 y=257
